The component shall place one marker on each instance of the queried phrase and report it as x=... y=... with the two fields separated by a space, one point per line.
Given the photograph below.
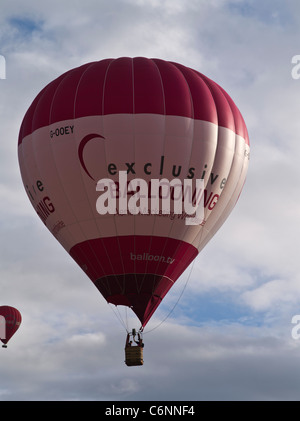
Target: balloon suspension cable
x=173 y=308
x=125 y=324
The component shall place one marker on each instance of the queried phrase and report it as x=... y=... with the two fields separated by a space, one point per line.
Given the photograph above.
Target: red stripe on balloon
x=132 y=85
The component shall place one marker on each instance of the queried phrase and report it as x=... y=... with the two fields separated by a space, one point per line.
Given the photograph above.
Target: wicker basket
x=134 y=355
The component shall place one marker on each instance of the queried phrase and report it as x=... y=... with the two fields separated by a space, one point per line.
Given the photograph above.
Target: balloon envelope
x=11 y=323
x=123 y=119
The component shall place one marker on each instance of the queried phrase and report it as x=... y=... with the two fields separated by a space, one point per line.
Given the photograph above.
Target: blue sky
x=25 y=26
x=229 y=337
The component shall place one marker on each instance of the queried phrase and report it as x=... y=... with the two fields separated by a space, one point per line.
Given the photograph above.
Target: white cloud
x=274 y=294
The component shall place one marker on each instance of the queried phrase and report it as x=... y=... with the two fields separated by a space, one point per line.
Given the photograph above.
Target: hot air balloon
x=10 y=320
x=100 y=134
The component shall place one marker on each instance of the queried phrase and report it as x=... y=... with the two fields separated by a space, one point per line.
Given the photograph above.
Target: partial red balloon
x=10 y=320
x=118 y=121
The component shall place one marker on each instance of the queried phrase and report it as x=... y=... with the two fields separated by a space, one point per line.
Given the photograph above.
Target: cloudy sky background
x=229 y=337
